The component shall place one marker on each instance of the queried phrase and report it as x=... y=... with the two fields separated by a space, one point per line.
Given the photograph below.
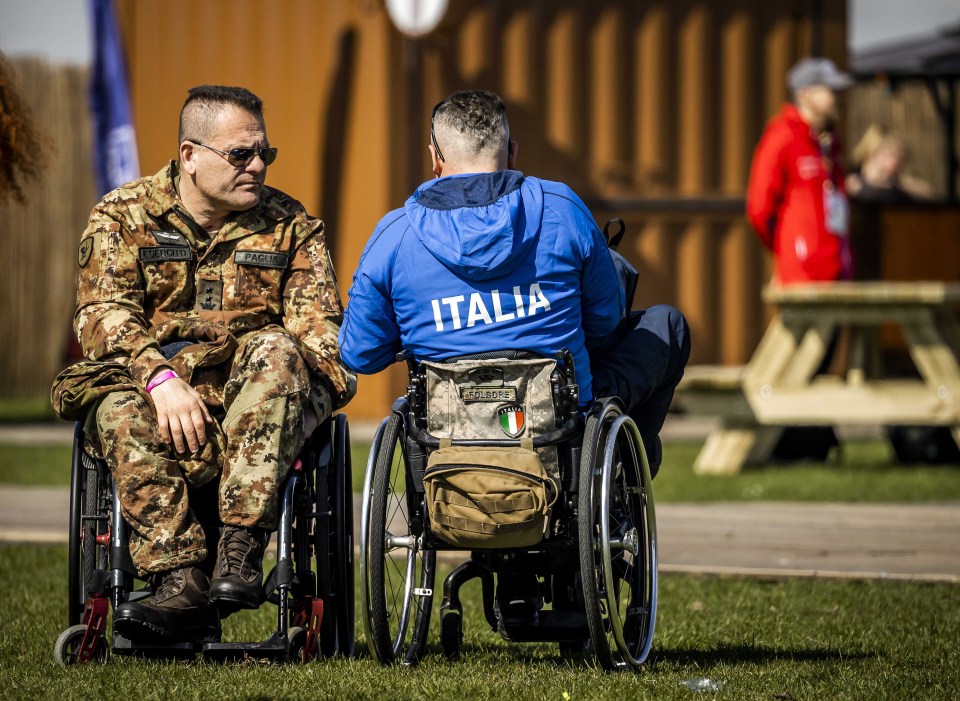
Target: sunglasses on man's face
x=242 y=156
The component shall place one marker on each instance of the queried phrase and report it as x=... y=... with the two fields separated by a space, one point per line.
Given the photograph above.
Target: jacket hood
x=480 y=226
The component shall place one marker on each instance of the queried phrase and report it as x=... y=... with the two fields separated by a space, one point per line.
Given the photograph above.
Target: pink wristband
x=160 y=379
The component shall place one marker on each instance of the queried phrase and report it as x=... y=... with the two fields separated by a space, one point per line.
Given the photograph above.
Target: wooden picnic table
x=780 y=386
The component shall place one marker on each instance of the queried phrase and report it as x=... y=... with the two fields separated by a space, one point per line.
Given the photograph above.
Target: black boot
x=238 y=577
x=178 y=610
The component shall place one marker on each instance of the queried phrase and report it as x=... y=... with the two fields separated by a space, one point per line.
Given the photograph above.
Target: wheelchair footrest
x=551 y=627
x=273 y=648
x=123 y=645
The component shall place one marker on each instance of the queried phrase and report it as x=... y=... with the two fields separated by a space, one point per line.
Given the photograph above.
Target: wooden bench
x=779 y=386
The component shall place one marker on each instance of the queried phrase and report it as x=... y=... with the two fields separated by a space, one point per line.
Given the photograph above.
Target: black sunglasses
x=241 y=156
x=433 y=135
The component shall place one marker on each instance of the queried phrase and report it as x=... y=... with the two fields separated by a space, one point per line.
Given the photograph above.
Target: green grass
x=36 y=465
x=864 y=471
x=20 y=410
x=795 y=639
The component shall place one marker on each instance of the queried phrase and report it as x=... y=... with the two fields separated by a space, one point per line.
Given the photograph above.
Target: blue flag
x=115 y=145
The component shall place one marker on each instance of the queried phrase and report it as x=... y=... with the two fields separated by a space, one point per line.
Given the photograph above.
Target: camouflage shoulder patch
x=86 y=248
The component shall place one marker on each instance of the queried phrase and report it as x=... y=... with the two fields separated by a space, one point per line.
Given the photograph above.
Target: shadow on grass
x=753 y=654
x=520 y=653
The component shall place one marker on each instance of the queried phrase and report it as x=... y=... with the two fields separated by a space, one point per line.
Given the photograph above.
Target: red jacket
x=786 y=200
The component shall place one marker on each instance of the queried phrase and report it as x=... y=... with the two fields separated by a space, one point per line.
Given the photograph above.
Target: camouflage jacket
x=144 y=261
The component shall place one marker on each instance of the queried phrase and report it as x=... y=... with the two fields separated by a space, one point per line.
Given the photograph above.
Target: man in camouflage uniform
x=238 y=277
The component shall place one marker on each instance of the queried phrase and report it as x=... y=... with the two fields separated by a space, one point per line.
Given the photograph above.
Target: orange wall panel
x=623 y=100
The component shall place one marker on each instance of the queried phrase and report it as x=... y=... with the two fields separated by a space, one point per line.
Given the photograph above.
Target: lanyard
x=826 y=141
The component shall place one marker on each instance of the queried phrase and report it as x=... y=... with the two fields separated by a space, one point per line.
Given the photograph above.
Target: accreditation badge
x=836 y=211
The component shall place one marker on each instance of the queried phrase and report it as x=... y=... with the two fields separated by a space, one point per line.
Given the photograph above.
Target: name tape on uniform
x=261 y=259
x=159 y=254
x=488 y=394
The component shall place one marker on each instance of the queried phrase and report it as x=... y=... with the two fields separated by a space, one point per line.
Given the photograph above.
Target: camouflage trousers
x=258 y=434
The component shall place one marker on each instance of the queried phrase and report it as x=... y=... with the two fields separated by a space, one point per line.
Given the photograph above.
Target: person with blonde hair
x=878 y=159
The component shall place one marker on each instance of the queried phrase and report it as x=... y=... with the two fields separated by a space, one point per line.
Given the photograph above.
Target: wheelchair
x=315 y=605
x=596 y=566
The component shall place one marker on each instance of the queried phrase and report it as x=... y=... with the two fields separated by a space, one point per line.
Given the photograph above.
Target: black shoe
x=238 y=576
x=178 y=610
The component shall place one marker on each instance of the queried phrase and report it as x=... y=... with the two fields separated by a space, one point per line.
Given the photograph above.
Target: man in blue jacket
x=486 y=258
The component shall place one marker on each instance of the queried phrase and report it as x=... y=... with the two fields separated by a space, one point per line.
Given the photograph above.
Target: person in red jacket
x=796 y=199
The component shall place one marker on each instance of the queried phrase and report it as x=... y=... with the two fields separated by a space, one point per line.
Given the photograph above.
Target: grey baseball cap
x=808 y=72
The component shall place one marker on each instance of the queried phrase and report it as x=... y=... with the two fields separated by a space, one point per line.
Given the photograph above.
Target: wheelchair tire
x=296 y=644
x=345 y=609
x=87 y=498
x=67 y=646
x=324 y=546
x=397 y=593
x=451 y=634
x=334 y=543
x=618 y=544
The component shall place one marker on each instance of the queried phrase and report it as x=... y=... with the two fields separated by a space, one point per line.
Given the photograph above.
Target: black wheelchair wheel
x=396 y=571
x=297 y=644
x=618 y=543
x=343 y=532
x=324 y=539
x=88 y=519
x=451 y=634
x=334 y=541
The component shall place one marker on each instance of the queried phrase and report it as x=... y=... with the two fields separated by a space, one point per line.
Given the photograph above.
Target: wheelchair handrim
x=365 y=594
x=649 y=579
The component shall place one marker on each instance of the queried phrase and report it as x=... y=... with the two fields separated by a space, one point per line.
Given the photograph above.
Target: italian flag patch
x=511 y=419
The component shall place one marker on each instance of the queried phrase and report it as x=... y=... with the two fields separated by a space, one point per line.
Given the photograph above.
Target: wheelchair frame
x=315 y=608
x=598 y=567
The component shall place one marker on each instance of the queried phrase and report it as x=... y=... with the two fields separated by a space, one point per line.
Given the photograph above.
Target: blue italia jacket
x=481 y=262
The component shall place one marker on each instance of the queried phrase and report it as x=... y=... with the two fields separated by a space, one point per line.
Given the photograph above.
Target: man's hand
x=181 y=415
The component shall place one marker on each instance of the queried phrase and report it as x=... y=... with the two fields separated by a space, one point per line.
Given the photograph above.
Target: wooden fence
x=39 y=238
x=650 y=110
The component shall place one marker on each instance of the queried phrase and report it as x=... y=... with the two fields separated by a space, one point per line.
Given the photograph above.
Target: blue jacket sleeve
x=602 y=297
x=370 y=337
